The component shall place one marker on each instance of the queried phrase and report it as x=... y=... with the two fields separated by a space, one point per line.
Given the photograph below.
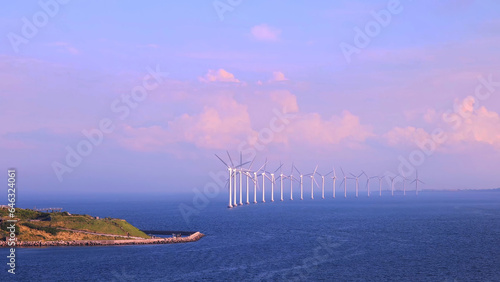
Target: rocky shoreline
x=173 y=240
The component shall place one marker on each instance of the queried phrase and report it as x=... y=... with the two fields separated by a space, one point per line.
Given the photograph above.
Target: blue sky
x=225 y=78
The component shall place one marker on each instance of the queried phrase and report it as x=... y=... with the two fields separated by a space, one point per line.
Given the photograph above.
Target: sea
x=435 y=236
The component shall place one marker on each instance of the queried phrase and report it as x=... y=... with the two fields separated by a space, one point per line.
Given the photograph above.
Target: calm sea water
x=451 y=236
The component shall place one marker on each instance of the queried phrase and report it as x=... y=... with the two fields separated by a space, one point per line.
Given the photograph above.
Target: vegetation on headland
x=62 y=226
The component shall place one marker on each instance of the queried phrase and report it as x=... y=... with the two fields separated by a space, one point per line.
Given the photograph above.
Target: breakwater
x=191 y=238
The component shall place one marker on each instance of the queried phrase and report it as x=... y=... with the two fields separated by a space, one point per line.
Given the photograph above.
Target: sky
x=121 y=96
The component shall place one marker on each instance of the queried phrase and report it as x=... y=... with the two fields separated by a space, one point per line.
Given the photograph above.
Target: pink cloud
x=312 y=129
x=405 y=136
x=286 y=100
x=278 y=76
x=218 y=75
x=264 y=32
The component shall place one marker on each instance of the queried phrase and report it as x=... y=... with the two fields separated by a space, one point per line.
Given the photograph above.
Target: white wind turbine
x=232 y=174
x=416 y=180
x=357 y=182
x=282 y=176
x=345 y=183
x=273 y=181
x=368 y=182
x=264 y=183
x=301 y=184
x=256 y=182
x=392 y=184
x=334 y=177
x=380 y=185
x=323 y=184
x=291 y=183
x=404 y=185
x=248 y=175
x=313 y=181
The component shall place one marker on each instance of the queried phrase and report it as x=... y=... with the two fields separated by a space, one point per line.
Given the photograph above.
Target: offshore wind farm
x=240 y=175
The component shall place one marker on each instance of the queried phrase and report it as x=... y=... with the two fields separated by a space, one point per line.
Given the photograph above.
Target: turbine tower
x=281 y=183
x=291 y=183
x=255 y=187
x=313 y=180
x=334 y=177
x=392 y=185
x=301 y=184
x=368 y=182
x=273 y=181
x=323 y=184
x=380 y=185
x=256 y=182
x=248 y=175
x=232 y=179
x=345 y=183
x=416 y=180
x=357 y=181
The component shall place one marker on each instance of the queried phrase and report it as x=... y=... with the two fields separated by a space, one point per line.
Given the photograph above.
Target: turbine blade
x=261 y=166
x=278 y=168
x=230 y=158
x=250 y=167
x=297 y=169
x=221 y=160
x=241 y=165
x=317 y=185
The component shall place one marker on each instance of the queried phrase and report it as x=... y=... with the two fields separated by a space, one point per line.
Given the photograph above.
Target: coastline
x=173 y=240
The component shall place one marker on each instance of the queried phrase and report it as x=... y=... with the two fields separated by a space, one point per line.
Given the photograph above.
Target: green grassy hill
x=35 y=225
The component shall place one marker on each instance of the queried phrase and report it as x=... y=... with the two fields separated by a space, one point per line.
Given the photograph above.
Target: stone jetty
x=172 y=240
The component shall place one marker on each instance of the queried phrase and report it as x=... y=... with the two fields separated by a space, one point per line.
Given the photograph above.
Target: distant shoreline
x=173 y=240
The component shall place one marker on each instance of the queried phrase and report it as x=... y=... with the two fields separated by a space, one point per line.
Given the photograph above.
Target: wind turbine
x=404 y=185
x=273 y=181
x=334 y=177
x=256 y=182
x=357 y=182
x=345 y=183
x=232 y=172
x=248 y=175
x=234 y=179
x=264 y=183
x=291 y=183
x=301 y=184
x=392 y=185
x=368 y=182
x=282 y=176
x=416 y=180
x=313 y=180
x=380 y=185
x=323 y=184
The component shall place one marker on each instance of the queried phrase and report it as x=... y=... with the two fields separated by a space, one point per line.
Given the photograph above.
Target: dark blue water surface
x=437 y=236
